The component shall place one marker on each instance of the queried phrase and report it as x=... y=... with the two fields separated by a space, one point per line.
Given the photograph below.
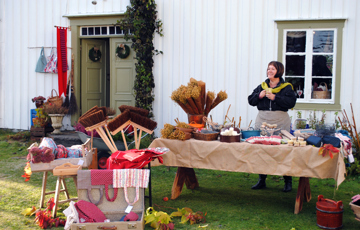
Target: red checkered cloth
x=89 y=212
x=104 y=177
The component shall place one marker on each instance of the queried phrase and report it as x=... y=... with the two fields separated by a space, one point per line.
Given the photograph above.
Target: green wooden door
x=93 y=78
x=122 y=76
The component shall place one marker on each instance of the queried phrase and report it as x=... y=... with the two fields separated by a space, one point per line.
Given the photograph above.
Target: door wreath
x=94 y=54
x=122 y=51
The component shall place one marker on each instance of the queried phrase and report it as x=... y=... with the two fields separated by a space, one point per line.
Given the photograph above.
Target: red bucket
x=329 y=213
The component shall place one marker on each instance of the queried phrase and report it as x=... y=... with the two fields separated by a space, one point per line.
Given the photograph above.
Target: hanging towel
x=62 y=59
x=41 y=63
x=103 y=177
x=131 y=178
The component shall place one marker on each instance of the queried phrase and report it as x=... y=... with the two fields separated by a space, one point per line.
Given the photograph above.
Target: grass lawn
x=225 y=196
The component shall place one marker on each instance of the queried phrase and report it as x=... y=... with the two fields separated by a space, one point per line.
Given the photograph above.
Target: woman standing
x=273 y=98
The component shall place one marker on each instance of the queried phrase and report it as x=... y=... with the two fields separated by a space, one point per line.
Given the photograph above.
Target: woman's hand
x=262 y=94
x=271 y=96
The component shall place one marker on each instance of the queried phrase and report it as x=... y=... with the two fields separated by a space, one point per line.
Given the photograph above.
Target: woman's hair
x=279 y=68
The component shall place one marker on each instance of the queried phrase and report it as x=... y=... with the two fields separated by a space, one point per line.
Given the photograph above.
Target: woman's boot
x=288 y=184
x=261 y=183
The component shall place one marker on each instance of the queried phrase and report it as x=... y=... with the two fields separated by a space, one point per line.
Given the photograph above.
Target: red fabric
x=89 y=212
x=132 y=216
x=104 y=177
x=62 y=57
x=117 y=160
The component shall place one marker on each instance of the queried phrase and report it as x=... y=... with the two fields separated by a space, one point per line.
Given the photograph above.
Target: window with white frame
x=309 y=63
x=311 y=53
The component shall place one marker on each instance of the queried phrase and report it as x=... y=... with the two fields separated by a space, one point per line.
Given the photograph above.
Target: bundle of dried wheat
x=193 y=98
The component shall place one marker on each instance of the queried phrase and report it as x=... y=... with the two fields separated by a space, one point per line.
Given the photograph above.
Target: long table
x=303 y=162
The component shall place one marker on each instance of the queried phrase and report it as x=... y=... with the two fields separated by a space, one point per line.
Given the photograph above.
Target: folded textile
x=134 y=158
x=272 y=140
x=89 y=212
x=71 y=214
x=132 y=216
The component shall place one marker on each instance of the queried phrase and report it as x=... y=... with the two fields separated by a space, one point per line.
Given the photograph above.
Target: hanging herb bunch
x=94 y=54
x=140 y=19
x=122 y=51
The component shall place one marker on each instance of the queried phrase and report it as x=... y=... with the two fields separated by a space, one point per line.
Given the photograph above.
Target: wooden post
x=303 y=192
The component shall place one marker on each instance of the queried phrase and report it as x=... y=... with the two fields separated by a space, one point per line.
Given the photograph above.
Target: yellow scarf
x=277 y=89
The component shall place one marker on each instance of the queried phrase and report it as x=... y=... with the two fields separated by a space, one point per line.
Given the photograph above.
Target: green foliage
x=313 y=120
x=139 y=25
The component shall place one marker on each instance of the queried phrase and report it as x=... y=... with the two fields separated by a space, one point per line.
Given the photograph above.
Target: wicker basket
x=56 y=100
x=356 y=210
x=206 y=136
x=322 y=94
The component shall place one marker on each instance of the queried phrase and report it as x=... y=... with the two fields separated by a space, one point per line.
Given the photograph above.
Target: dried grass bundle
x=189 y=99
x=221 y=96
x=210 y=96
x=177 y=134
x=167 y=130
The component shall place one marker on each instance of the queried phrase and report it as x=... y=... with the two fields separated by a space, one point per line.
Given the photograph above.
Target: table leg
x=43 y=189
x=183 y=175
x=303 y=192
x=56 y=198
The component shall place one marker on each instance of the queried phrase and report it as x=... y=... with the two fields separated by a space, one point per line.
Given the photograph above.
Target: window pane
x=103 y=30
x=295 y=65
x=118 y=31
x=323 y=41
x=97 y=30
x=322 y=65
x=295 y=41
x=298 y=84
x=321 y=88
x=112 y=30
x=84 y=31
x=91 y=31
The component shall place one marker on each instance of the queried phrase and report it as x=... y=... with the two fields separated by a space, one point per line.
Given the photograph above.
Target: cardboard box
x=87 y=159
x=114 y=210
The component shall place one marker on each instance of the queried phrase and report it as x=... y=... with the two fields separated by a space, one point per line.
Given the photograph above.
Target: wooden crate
x=37 y=133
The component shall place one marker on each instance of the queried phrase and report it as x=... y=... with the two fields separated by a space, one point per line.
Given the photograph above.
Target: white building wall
x=225 y=43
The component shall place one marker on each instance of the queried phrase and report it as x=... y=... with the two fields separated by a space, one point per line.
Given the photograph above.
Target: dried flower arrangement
x=51 y=108
x=38 y=98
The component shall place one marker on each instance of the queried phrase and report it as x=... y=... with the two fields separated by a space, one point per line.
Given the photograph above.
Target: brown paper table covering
x=252 y=158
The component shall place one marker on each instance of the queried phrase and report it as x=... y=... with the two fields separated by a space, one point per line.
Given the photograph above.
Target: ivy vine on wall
x=139 y=25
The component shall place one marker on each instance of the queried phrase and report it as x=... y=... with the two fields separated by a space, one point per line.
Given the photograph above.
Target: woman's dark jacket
x=284 y=100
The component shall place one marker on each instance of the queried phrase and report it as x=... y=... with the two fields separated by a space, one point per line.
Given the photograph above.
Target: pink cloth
x=104 y=177
x=89 y=212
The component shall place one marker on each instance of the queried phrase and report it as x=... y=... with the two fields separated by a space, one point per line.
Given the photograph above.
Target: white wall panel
x=225 y=43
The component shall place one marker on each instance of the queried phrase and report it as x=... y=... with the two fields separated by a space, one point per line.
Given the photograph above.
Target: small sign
x=80 y=162
x=128 y=209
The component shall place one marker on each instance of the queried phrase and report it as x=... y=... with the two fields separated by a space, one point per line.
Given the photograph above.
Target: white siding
x=225 y=43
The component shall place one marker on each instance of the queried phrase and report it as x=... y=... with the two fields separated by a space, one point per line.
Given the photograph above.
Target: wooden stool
x=58 y=189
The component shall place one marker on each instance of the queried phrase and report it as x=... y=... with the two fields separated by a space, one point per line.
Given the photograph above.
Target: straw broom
x=190 y=100
x=221 y=96
x=175 y=96
x=195 y=94
x=209 y=100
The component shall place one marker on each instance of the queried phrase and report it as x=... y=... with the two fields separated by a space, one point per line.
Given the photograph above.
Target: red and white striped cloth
x=131 y=178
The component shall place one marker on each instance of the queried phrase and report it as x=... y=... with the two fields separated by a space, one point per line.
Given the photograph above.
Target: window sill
x=319 y=106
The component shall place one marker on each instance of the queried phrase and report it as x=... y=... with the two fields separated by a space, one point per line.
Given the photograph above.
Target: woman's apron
x=280 y=118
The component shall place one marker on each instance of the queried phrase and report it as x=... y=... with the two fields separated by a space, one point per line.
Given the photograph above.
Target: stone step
x=66 y=138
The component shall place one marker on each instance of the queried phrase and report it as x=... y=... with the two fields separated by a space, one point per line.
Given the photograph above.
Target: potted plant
x=39 y=101
x=56 y=113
